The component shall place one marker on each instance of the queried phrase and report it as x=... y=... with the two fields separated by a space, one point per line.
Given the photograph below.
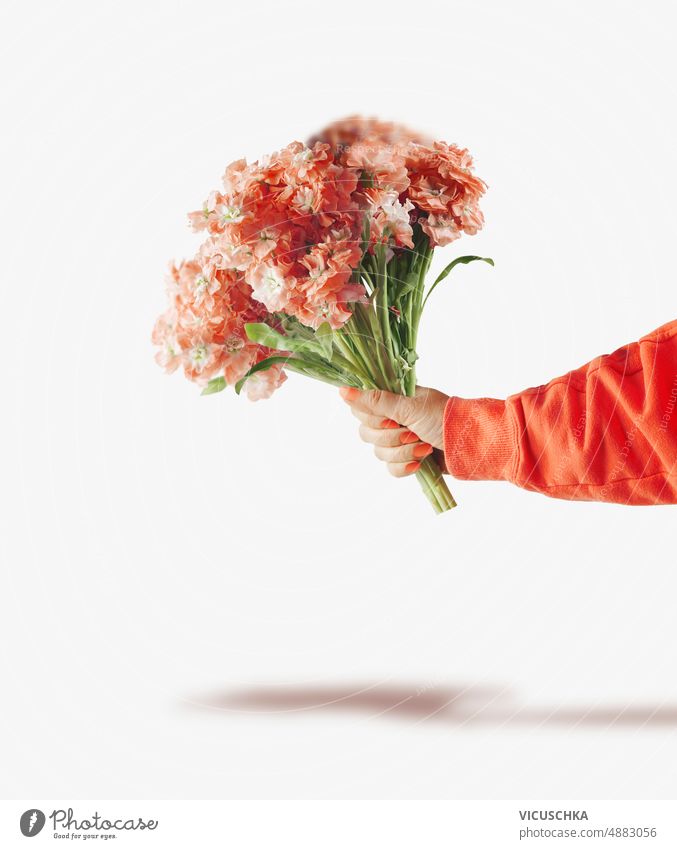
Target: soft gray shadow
x=476 y=705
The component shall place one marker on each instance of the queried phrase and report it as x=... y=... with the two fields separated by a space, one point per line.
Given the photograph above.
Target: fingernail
x=408 y=437
x=410 y=468
x=349 y=393
x=389 y=423
x=423 y=450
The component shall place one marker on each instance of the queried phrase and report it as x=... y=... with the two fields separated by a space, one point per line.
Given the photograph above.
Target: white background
x=208 y=598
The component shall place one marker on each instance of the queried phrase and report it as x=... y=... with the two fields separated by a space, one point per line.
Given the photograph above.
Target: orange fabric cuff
x=480 y=439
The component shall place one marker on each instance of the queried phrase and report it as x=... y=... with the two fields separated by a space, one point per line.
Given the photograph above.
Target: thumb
x=378 y=402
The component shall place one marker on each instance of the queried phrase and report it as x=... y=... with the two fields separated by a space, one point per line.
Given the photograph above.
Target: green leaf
x=407 y=284
x=216 y=384
x=264 y=365
x=324 y=336
x=461 y=260
x=293 y=327
x=262 y=334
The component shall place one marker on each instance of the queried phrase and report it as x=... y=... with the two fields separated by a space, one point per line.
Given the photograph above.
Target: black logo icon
x=31 y=822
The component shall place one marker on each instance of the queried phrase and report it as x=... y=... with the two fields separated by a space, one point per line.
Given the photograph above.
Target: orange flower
x=284 y=240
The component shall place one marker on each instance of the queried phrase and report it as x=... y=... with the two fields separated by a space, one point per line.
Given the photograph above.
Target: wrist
x=480 y=439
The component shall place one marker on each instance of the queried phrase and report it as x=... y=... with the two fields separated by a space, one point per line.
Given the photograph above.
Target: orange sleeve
x=605 y=432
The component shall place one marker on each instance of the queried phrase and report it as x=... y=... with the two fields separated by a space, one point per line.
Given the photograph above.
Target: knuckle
x=398 y=454
x=406 y=409
x=391 y=438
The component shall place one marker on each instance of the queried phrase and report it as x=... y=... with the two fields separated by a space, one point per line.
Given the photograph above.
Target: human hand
x=403 y=430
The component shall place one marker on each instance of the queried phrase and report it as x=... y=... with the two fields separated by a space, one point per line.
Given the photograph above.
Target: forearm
x=605 y=432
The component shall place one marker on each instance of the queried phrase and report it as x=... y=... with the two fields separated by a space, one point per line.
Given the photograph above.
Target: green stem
x=308 y=371
x=434 y=486
x=352 y=360
x=383 y=304
x=367 y=327
x=429 y=475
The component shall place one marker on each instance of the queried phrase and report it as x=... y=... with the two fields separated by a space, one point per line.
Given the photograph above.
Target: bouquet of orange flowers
x=315 y=262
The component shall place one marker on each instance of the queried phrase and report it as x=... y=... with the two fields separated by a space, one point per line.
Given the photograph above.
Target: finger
x=374 y=421
x=387 y=436
x=403 y=470
x=403 y=453
x=378 y=402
